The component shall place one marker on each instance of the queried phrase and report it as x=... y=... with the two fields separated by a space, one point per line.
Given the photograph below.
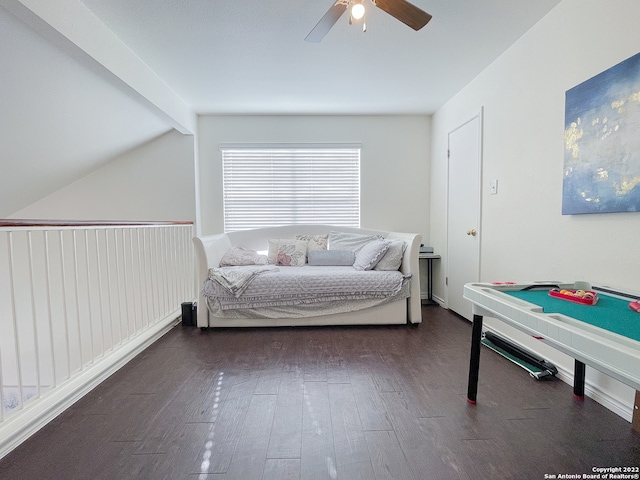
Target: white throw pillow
x=292 y=253
x=316 y=242
x=393 y=258
x=369 y=255
x=273 y=248
x=350 y=241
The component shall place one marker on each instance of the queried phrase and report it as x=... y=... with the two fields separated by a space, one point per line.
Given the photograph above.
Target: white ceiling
x=74 y=97
x=248 y=56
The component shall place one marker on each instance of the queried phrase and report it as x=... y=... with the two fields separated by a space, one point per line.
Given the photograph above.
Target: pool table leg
x=578 y=379
x=474 y=361
x=635 y=422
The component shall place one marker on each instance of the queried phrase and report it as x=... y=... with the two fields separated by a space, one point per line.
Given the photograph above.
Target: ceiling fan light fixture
x=401 y=10
x=357 y=11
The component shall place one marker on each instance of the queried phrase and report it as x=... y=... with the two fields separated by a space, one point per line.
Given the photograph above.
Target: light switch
x=494 y=187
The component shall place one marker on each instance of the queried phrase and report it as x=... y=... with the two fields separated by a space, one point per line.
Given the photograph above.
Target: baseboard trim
x=21 y=425
x=438 y=300
x=610 y=402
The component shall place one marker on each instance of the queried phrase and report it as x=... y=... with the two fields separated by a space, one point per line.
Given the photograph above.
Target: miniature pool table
x=605 y=335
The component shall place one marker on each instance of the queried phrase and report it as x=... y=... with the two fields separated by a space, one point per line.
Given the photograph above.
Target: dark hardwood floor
x=324 y=403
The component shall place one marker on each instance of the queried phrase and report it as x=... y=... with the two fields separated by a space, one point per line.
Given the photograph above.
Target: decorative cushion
x=316 y=242
x=350 y=241
x=273 y=248
x=393 y=258
x=237 y=256
x=292 y=253
x=369 y=255
x=331 y=257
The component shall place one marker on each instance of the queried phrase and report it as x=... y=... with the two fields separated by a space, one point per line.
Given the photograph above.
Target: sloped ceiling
x=62 y=117
x=59 y=120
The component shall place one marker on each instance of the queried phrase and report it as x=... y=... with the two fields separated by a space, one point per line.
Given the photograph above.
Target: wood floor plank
x=269 y=381
x=317 y=459
x=229 y=424
x=182 y=456
x=208 y=398
x=387 y=458
x=281 y=469
x=314 y=368
x=182 y=408
x=286 y=432
x=414 y=441
x=337 y=361
x=337 y=369
x=383 y=375
x=250 y=454
x=352 y=456
x=371 y=409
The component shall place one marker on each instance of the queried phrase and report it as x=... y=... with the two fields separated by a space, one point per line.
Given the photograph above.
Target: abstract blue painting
x=602 y=142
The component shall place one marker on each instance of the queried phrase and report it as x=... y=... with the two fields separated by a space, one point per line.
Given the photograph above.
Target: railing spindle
x=47 y=279
x=34 y=317
x=89 y=303
x=16 y=335
x=77 y=295
x=100 y=289
x=65 y=308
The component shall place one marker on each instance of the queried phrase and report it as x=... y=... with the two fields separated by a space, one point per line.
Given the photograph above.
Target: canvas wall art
x=602 y=142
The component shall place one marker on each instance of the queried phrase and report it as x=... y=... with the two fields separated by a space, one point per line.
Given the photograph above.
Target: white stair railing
x=77 y=301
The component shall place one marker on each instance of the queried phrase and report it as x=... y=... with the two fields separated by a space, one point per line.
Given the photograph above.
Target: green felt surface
x=610 y=313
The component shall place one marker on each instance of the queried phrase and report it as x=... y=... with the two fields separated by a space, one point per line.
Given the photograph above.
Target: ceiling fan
x=402 y=10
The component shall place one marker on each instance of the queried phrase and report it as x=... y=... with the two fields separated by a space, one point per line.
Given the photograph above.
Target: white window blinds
x=280 y=185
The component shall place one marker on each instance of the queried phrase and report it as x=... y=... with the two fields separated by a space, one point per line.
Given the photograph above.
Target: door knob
x=472 y=232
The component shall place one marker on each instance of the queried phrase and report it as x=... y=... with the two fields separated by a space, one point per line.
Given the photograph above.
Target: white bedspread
x=306 y=285
x=235 y=280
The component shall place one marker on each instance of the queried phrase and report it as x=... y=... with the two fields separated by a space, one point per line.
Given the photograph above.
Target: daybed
x=403 y=306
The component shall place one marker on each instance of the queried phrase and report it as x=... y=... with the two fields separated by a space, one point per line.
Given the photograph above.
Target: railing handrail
x=86 y=223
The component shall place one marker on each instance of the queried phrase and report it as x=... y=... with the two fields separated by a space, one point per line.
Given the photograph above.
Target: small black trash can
x=188 y=314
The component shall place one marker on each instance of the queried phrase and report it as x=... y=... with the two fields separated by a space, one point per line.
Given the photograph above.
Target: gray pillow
x=369 y=255
x=331 y=257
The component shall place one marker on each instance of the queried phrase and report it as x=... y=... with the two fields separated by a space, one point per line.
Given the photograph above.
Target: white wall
x=154 y=181
x=524 y=236
x=394 y=161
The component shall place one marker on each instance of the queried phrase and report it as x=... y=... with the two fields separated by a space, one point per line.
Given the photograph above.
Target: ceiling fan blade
x=405 y=12
x=326 y=22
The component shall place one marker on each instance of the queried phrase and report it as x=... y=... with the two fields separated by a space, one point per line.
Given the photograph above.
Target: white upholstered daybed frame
x=211 y=248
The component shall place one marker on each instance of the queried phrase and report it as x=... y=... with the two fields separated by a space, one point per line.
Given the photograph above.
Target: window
x=288 y=184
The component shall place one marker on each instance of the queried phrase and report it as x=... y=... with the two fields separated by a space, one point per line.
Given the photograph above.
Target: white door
x=463 y=215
